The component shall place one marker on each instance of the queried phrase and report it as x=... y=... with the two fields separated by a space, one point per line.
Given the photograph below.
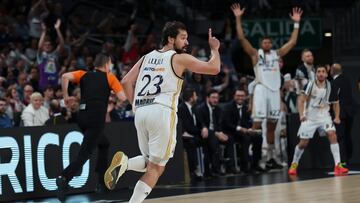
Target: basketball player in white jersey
x=153 y=86
x=314 y=106
x=266 y=101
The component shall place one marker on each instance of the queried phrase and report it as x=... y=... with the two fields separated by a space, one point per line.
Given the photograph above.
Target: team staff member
x=95 y=91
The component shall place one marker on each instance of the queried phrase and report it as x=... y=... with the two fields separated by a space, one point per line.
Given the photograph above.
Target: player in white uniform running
x=266 y=101
x=153 y=86
x=314 y=106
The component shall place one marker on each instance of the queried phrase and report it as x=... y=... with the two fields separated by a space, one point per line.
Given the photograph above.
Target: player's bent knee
x=332 y=136
x=155 y=169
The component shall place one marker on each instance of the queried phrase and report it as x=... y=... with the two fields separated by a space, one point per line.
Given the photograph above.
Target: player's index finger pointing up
x=210 y=33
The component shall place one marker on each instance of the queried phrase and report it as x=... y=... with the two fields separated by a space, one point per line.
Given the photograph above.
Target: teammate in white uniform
x=266 y=101
x=153 y=86
x=314 y=106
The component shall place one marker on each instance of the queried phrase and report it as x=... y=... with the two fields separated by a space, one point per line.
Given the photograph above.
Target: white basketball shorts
x=308 y=127
x=156 y=132
x=266 y=103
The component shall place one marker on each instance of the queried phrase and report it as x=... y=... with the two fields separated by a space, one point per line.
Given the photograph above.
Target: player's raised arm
x=248 y=48
x=296 y=17
x=211 y=67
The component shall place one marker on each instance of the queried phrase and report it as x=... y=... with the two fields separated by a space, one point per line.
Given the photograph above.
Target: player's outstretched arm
x=296 y=17
x=211 y=67
x=248 y=48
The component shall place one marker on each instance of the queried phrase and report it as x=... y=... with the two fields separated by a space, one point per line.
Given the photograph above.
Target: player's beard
x=180 y=50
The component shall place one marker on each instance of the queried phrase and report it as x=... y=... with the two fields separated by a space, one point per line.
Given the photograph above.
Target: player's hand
x=302 y=118
x=236 y=9
x=296 y=14
x=213 y=42
x=337 y=121
x=204 y=133
x=57 y=24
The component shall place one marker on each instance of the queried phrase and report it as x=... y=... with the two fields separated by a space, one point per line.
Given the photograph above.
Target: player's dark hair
x=171 y=29
x=266 y=37
x=320 y=66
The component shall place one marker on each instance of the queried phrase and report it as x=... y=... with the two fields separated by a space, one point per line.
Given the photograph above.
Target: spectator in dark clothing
x=236 y=122
x=191 y=132
x=209 y=117
x=56 y=116
x=5 y=121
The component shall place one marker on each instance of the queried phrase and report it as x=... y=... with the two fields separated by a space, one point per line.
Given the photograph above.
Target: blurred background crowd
x=42 y=39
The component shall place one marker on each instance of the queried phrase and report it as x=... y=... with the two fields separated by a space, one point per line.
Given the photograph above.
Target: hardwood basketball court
x=330 y=190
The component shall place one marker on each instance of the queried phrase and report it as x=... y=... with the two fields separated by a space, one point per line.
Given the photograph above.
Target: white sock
x=141 y=191
x=137 y=163
x=335 y=152
x=297 y=154
x=270 y=151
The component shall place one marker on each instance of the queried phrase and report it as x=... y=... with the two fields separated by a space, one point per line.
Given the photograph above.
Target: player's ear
x=171 y=40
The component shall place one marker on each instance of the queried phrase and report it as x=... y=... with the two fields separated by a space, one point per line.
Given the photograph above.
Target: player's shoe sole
x=116 y=169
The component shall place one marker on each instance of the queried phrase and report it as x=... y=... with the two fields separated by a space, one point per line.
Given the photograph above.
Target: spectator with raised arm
x=48 y=59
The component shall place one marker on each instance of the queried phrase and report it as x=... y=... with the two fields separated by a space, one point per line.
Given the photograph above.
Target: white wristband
x=238 y=128
x=296 y=25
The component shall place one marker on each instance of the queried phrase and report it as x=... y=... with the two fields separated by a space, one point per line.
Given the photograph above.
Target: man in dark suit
x=209 y=114
x=343 y=85
x=236 y=122
x=191 y=132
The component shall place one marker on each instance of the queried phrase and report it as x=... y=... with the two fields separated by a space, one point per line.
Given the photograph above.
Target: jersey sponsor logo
x=265 y=69
x=158 y=69
x=268 y=65
x=142 y=102
x=155 y=61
